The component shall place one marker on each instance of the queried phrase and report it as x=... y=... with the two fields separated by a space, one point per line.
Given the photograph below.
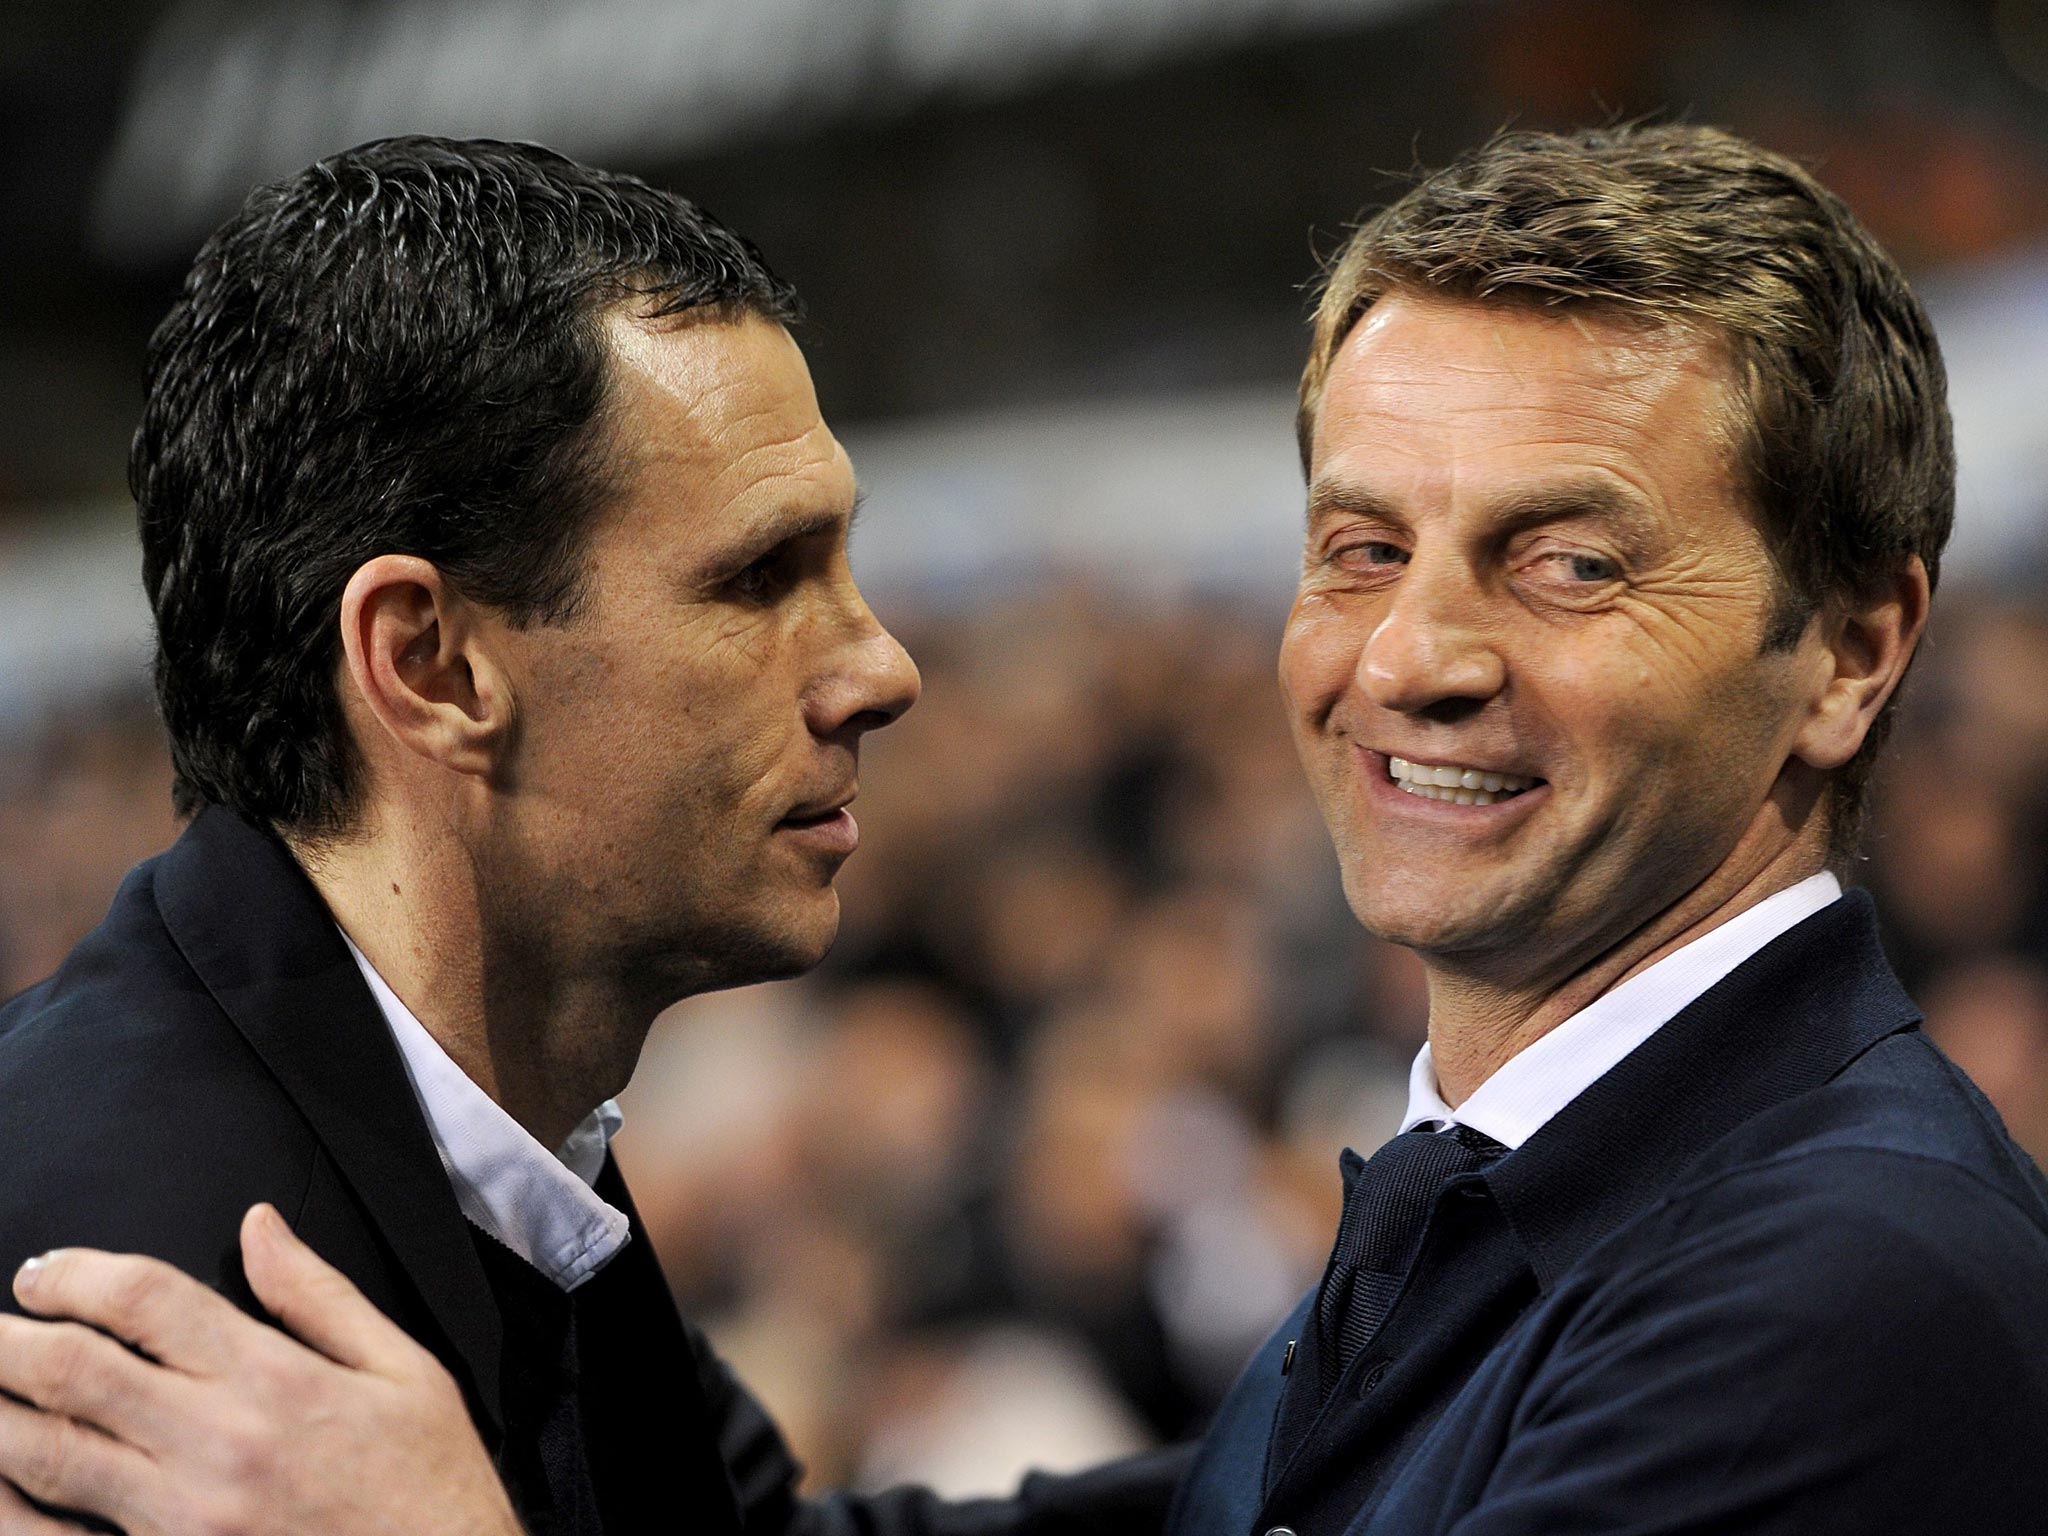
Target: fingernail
x=267 y=1222
x=31 y=1270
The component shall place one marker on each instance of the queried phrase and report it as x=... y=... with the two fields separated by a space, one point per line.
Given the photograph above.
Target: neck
x=546 y=1039
x=1478 y=1023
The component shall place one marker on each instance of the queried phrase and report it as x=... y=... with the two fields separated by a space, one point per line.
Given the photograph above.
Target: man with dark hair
x=1629 y=474
x=403 y=348
x=515 y=680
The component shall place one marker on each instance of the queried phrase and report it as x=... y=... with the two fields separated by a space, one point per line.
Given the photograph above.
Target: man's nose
x=874 y=682
x=1432 y=646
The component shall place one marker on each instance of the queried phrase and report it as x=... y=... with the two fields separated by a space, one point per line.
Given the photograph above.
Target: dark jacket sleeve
x=1123 y=1498
x=1839 y=1342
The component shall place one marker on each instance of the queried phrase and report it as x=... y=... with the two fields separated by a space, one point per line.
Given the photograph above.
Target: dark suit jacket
x=212 y=1044
x=1780 y=1270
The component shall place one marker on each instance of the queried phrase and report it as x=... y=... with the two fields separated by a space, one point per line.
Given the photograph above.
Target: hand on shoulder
x=214 y=1424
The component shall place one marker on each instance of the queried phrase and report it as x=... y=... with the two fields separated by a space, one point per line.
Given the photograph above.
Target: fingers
x=20 y=1518
x=60 y=1462
x=317 y=1302
x=70 y=1369
x=167 y=1314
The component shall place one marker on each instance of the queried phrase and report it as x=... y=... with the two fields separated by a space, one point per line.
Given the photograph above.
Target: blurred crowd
x=1028 y=1168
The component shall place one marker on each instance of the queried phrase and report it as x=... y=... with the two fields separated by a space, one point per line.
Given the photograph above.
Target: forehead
x=717 y=419
x=1427 y=397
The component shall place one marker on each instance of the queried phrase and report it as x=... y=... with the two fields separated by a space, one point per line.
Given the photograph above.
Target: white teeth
x=1460 y=786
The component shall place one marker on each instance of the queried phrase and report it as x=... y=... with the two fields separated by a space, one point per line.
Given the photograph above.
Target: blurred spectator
x=80 y=803
x=1991 y=1017
x=970 y=1416
x=1958 y=832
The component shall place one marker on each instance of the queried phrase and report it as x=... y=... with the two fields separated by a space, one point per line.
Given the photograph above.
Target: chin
x=749 y=947
x=790 y=943
x=808 y=953
x=1413 y=912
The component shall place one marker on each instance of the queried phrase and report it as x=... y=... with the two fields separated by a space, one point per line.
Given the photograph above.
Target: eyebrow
x=1328 y=499
x=1598 y=499
x=780 y=528
x=1509 y=513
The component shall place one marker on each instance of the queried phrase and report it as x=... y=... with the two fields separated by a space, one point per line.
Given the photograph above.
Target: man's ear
x=1863 y=654
x=416 y=658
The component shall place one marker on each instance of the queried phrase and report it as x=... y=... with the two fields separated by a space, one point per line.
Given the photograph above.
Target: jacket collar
x=259 y=937
x=1786 y=1020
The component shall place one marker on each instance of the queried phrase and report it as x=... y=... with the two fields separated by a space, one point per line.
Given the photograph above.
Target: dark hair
x=398 y=350
x=1843 y=446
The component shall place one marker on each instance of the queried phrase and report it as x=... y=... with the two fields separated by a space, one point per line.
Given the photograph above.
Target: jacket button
x=1281 y=1530
x=1373 y=1378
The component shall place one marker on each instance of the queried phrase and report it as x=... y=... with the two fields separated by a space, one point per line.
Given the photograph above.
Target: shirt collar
x=1538 y=1081
x=539 y=1204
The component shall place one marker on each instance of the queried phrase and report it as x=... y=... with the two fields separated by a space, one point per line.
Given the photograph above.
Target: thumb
x=316 y=1301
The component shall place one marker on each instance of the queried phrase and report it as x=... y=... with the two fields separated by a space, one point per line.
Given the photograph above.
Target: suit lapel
x=261 y=940
x=1785 y=1021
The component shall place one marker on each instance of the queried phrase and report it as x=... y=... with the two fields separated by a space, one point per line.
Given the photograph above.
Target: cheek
x=677 y=736
x=1599 y=718
x=1644 y=719
x=728 y=743
x=748 y=735
x=1318 y=656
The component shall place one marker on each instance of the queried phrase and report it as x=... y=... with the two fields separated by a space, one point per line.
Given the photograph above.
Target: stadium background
x=1026 y=1170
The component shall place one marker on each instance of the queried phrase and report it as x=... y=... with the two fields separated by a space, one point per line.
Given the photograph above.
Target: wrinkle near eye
x=1698 y=578
x=1691 y=621
x=745 y=635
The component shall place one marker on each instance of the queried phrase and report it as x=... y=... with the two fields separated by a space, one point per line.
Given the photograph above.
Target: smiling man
x=1629 y=474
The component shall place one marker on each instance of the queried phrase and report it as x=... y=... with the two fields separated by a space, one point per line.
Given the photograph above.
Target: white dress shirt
x=1547 y=1074
x=538 y=1203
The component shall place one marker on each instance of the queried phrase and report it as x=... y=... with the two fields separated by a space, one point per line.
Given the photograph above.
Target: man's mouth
x=814 y=818
x=1456 y=783
x=828 y=828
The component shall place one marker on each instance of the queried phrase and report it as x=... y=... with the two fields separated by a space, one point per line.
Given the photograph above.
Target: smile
x=1458 y=785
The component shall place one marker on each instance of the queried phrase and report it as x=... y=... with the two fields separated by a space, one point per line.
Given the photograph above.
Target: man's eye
x=762 y=577
x=1577 y=566
x=1592 y=568
x=1372 y=552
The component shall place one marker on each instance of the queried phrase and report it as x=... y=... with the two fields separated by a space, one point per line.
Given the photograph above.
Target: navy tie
x=1387 y=1202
